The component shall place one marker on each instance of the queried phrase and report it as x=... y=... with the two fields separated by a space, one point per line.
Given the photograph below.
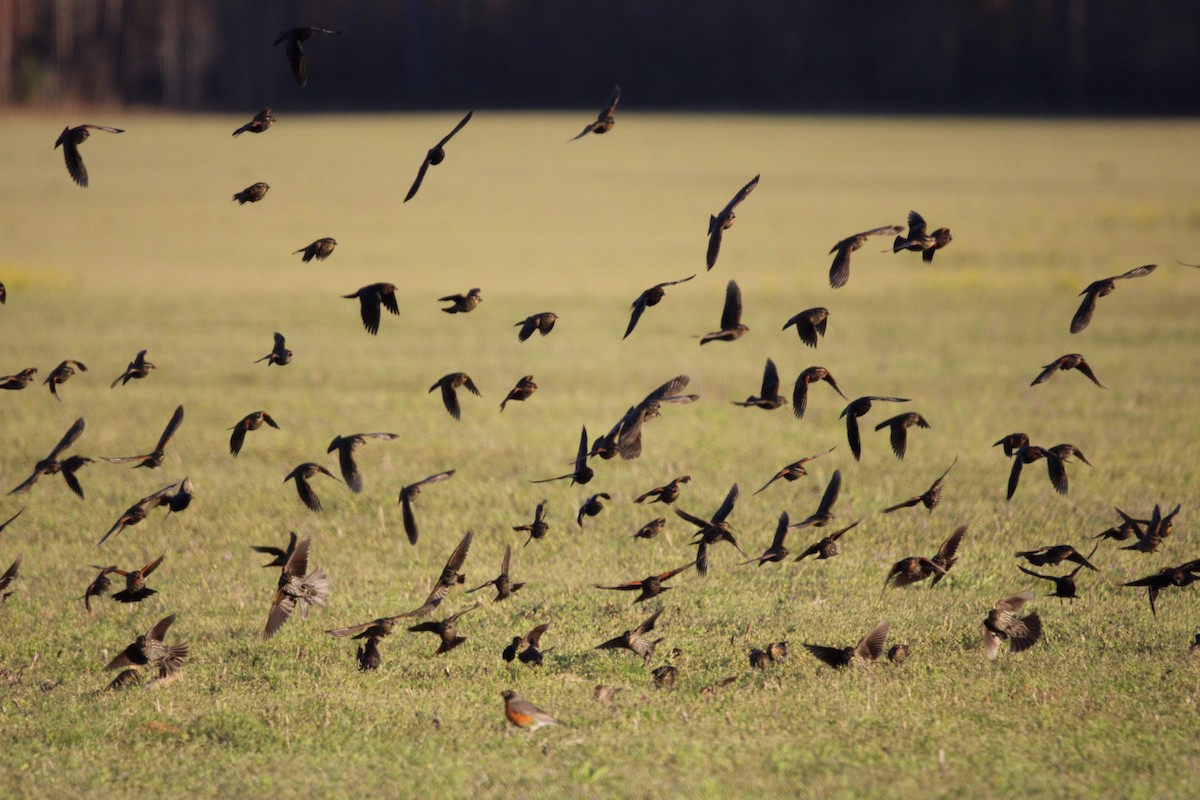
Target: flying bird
x=292 y=38
x=446 y=629
x=321 y=249
x=713 y=530
x=409 y=494
x=1012 y=443
x=1182 y=575
x=800 y=391
x=864 y=654
x=539 y=527
x=651 y=529
x=629 y=429
x=650 y=586
x=898 y=427
x=777 y=551
x=9 y=577
x=1101 y=288
x=1064 y=363
x=297 y=586
x=915 y=569
x=252 y=193
x=521 y=392
x=435 y=156
x=1002 y=623
x=19 y=381
x=824 y=513
x=857 y=408
x=279 y=354
x=582 y=472
x=604 y=120
x=136 y=590
x=61 y=374
x=1029 y=453
x=154 y=458
x=279 y=555
x=70 y=139
x=98 y=587
x=731 y=318
x=262 y=120
x=718 y=224
x=827 y=547
x=505 y=588
x=920 y=240
x=1056 y=554
x=1064 y=586
x=345 y=446
x=794 y=471
x=9 y=521
x=370 y=298
x=839 y=270
x=769 y=397
x=462 y=303
x=929 y=498
x=138 y=512
x=137 y=369
x=301 y=475
x=810 y=324
x=51 y=465
x=251 y=422
x=527 y=648
x=591 y=507
x=451 y=574
x=543 y=323
x=635 y=640
x=651 y=297
x=149 y=649
x=449 y=383
x=665 y=494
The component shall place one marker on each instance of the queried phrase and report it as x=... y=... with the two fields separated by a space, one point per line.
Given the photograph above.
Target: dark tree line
x=1032 y=56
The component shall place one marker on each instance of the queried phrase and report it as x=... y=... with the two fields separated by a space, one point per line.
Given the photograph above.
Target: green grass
x=155 y=255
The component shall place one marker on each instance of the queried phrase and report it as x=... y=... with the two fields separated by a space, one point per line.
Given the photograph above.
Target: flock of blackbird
x=301 y=586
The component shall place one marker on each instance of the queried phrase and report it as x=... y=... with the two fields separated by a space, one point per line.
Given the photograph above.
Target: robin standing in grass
x=524 y=714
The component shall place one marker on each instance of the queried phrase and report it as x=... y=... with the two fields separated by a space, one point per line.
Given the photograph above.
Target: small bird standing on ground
x=604 y=120
x=526 y=648
x=70 y=139
x=435 y=156
x=137 y=369
x=524 y=714
x=718 y=224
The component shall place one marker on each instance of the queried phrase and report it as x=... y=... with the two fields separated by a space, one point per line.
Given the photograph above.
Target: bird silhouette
x=450 y=576
x=1056 y=554
x=251 y=422
x=604 y=120
x=839 y=270
x=521 y=392
x=1182 y=575
x=857 y=408
x=1012 y=443
x=731 y=318
x=777 y=550
x=929 y=498
x=635 y=640
x=301 y=475
x=446 y=629
x=345 y=447
x=1064 y=363
x=591 y=507
x=769 y=397
x=651 y=529
x=543 y=323
x=1029 y=453
x=810 y=324
x=279 y=354
x=1002 y=623
x=149 y=649
x=824 y=513
x=527 y=648
x=1064 y=587
x=136 y=590
x=137 y=369
x=862 y=655
x=9 y=577
x=717 y=225
x=462 y=303
x=409 y=494
x=51 y=465
x=98 y=587
x=449 y=384
x=262 y=120
x=70 y=139
x=629 y=429
x=321 y=249
x=154 y=458
x=61 y=374
x=898 y=427
x=665 y=494
x=920 y=240
x=800 y=391
x=582 y=472
x=370 y=299
x=435 y=156
x=713 y=530
x=19 y=381
x=651 y=297
x=138 y=512
x=539 y=527
x=794 y=471
x=297 y=587
x=651 y=585
x=252 y=193
x=505 y=588
x=291 y=38
x=279 y=555
x=827 y=547
x=1102 y=288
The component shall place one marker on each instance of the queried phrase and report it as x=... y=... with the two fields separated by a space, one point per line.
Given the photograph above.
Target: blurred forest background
x=961 y=56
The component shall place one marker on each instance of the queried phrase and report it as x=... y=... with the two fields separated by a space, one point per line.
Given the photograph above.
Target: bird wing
x=839 y=270
x=1086 y=369
x=714 y=243
x=852 y=435
x=410 y=520
x=770 y=381
x=369 y=310
x=916 y=225
x=949 y=548
x=899 y=437
x=450 y=399
x=612 y=102
x=412 y=192
x=461 y=124
x=639 y=308
x=726 y=505
x=295 y=56
x=74 y=161
x=68 y=439
x=1058 y=473
x=800 y=397
x=349 y=467
x=528 y=326
x=870 y=647
x=1047 y=372
x=831 y=493
x=741 y=195
x=1014 y=476
x=172 y=426
x=833 y=656
x=387 y=296
x=307 y=495
x=781 y=531
x=731 y=314
x=281 y=609
x=237 y=438
x=1136 y=272
x=297 y=563
x=1084 y=315
x=1014 y=603
x=699 y=523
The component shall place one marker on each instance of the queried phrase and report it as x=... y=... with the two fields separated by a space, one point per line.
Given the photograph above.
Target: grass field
x=155 y=255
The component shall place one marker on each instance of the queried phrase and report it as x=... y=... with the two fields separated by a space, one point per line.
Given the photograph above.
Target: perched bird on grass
x=262 y=120
x=810 y=324
x=252 y=193
x=651 y=297
x=150 y=650
x=136 y=590
x=61 y=374
x=1002 y=624
x=604 y=120
x=717 y=225
x=526 y=648
x=462 y=303
x=446 y=629
x=435 y=156
x=251 y=422
x=794 y=471
x=301 y=476
x=138 y=368
x=19 y=381
x=297 y=586
x=291 y=39
x=505 y=588
x=862 y=655
x=650 y=586
x=635 y=640
x=370 y=298
x=449 y=384
x=345 y=447
x=524 y=714
x=321 y=249
x=154 y=459
x=731 y=318
x=769 y=397
x=1064 y=363
x=898 y=427
x=521 y=392
x=918 y=239
x=539 y=527
x=279 y=353
x=839 y=270
x=542 y=323
x=51 y=465
x=1102 y=288
x=857 y=408
x=665 y=494
x=409 y=494
x=70 y=139
x=591 y=507
x=929 y=498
